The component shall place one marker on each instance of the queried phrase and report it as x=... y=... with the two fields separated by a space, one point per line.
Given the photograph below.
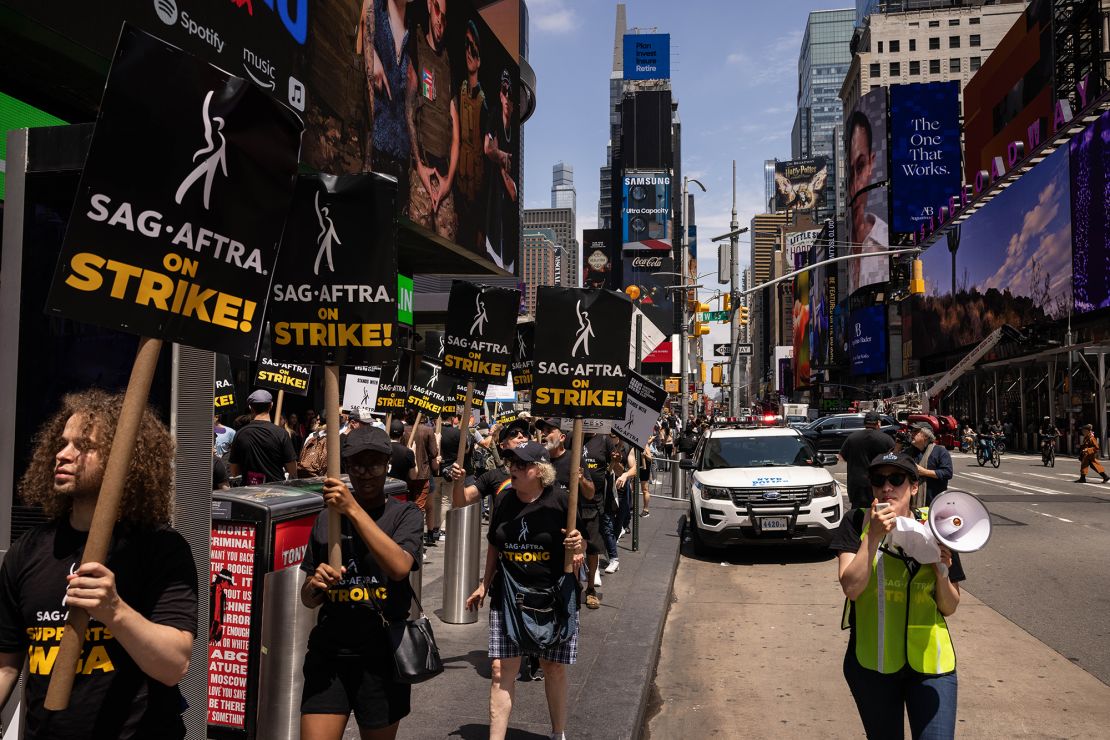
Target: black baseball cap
x=872 y=417
x=898 y=460
x=550 y=423
x=529 y=452
x=366 y=438
x=512 y=426
x=396 y=427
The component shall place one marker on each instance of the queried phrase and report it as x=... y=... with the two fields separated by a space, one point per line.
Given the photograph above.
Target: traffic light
x=701 y=372
x=700 y=329
x=702 y=307
x=917 y=279
x=743 y=311
x=728 y=301
x=716 y=373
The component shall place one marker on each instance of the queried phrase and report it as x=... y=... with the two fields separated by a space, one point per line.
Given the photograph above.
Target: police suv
x=761 y=485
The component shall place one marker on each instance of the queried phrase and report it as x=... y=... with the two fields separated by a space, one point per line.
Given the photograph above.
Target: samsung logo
x=647 y=180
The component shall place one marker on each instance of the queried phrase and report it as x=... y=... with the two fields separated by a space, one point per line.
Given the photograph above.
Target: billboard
x=1089 y=158
x=800 y=321
x=647 y=56
x=1013 y=264
x=646 y=271
x=646 y=211
x=359 y=93
x=867 y=340
x=800 y=183
x=597 y=259
x=865 y=151
x=924 y=151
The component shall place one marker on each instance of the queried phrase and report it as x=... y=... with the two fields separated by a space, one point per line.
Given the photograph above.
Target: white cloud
x=552 y=16
x=736 y=57
x=1028 y=243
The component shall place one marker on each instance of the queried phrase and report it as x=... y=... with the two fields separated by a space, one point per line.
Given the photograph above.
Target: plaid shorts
x=502 y=646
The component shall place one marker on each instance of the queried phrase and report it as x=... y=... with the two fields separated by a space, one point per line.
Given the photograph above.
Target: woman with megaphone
x=900 y=658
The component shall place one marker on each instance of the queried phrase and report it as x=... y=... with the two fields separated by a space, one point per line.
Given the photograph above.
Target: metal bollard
x=416 y=581
x=461 y=562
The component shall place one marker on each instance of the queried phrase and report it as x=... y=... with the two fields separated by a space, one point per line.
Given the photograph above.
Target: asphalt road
x=1045 y=566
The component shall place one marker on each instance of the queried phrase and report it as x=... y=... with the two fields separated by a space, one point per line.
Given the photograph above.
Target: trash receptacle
x=258 y=631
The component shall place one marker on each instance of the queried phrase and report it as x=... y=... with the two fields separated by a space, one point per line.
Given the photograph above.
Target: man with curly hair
x=142 y=602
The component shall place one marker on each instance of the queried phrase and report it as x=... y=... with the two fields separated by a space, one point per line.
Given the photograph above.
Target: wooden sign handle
x=331 y=409
x=458 y=492
x=105 y=515
x=277 y=407
x=575 y=468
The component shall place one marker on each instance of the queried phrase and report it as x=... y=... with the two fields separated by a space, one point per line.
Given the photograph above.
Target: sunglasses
x=472 y=48
x=519 y=464
x=375 y=469
x=878 y=480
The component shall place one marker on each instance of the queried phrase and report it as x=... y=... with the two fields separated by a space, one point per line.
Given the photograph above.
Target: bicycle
x=1048 y=451
x=986 y=451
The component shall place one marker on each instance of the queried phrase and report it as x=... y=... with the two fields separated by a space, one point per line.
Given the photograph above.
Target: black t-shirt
x=401 y=461
x=859 y=449
x=263 y=448
x=562 y=467
x=112 y=697
x=596 y=456
x=492 y=482
x=449 y=449
x=529 y=538
x=219 y=473
x=348 y=623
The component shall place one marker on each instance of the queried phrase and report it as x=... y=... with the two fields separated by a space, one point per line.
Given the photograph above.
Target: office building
x=560 y=221
x=539 y=258
x=823 y=61
x=764 y=332
x=769 y=184
x=616 y=77
x=563 y=195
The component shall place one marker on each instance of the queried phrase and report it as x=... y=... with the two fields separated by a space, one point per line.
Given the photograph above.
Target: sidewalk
x=617 y=651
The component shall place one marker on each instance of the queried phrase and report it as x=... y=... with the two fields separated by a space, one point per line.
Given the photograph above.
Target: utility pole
x=734 y=305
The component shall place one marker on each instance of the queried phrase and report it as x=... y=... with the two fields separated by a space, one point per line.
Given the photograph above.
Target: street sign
x=743 y=349
x=724 y=350
x=670 y=385
x=713 y=316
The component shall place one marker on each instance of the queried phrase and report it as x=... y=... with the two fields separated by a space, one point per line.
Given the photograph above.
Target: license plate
x=772 y=524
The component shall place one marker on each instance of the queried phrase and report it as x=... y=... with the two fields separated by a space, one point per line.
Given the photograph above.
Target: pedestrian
x=426 y=450
x=402 y=460
x=900 y=658
x=490 y=484
x=451 y=436
x=1088 y=454
x=349 y=664
x=224 y=436
x=554 y=439
x=530 y=517
x=141 y=600
x=261 y=451
x=645 y=478
x=597 y=451
x=666 y=443
x=624 y=468
x=934 y=463
x=859 y=449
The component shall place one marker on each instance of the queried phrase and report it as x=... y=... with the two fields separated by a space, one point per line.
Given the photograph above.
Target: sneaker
x=597 y=579
x=622 y=534
x=535 y=671
x=613 y=566
x=592 y=602
x=441 y=534
x=429 y=539
x=645 y=514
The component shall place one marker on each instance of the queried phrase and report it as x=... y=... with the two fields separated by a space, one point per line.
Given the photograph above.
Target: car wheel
x=697 y=544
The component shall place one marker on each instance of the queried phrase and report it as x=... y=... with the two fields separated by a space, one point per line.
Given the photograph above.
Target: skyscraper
x=561 y=223
x=822 y=64
x=769 y=184
x=616 y=78
x=563 y=196
x=539 y=263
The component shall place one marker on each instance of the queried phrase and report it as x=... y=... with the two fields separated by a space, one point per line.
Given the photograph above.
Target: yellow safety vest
x=897 y=619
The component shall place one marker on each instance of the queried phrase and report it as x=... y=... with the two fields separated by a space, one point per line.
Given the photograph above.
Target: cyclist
x=1048 y=434
x=984 y=440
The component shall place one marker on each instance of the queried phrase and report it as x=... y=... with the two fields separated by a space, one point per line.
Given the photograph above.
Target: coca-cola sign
x=652 y=262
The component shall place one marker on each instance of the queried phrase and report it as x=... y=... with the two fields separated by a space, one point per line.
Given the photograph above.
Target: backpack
x=314 y=457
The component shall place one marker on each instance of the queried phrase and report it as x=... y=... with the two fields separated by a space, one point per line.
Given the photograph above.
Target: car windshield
x=754 y=452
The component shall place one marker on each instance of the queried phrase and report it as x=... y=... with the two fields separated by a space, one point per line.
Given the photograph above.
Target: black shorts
x=364 y=685
x=589 y=525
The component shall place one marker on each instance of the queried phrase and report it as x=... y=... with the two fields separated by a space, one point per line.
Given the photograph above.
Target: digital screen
x=647 y=56
x=924 y=151
x=867 y=340
x=865 y=150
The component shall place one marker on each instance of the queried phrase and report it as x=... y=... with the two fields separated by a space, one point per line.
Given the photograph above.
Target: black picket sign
x=175 y=228
x=581 y=353
x=393 y=390
x=478 y=335
x=224 y=397
x=435 y=350
x=523 y=349
x=281 y=376
x=644 y=403
x=334 y=297
x=432 y=391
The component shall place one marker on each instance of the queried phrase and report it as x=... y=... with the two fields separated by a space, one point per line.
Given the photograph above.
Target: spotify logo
x=166 y=10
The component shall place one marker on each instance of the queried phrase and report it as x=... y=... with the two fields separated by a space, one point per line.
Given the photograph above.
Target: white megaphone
x=959 y=521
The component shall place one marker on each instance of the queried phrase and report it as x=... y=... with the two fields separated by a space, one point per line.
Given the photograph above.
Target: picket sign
x=572 y=506
x=331 y=406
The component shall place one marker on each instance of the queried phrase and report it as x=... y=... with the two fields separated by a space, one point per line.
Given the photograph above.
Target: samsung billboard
x=646 y=211
x=924 y=151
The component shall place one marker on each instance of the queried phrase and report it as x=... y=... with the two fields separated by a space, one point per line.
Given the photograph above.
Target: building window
x=874 y=71
x=934 y=42
x=954 y=64
x=915 y=68
x=895 y=69
x=914 y=24
x=953 y=21
x=881 y=47
x=934 y=24
x=973 y=21
x=953 y=42
x=913 y=44
x=974 y=63
x=934 y=66
x=974 y=40
x=895 y=46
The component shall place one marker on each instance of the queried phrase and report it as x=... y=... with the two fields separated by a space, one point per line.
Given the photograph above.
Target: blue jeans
x=609 y=535
x=882 y=699
x=624 y=506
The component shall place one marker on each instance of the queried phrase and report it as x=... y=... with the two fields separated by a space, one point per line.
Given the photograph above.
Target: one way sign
x=722 y=350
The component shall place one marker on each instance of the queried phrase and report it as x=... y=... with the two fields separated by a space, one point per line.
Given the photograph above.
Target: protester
x=624 y=467
x=402 y=460
x=142 y=601
x=220 y=481
x=349 y=664
x=597 y=449
x=314 y=455
x=224 y=436
x=554 y=439
x=490 y=484
x=859 y=449
x=529 y=518
x=645 y=477
x=1088 y=454
x=934 y=463
x=261 y=451
x=451 y=435
x=297 y=439
x=900 y=657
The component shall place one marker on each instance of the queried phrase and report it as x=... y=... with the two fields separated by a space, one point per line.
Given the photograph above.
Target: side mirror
x=828 y=459
x=687 y=465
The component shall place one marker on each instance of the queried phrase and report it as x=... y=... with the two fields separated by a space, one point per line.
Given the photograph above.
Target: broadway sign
x=479 y=331
x=334 y=297
x=581 y=353
x=176 y=225
x=288 y=377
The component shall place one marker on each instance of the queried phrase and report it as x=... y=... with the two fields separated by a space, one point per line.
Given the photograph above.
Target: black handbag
x=415 y=653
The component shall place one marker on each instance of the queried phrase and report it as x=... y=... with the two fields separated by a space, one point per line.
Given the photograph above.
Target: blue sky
x=734 y=74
